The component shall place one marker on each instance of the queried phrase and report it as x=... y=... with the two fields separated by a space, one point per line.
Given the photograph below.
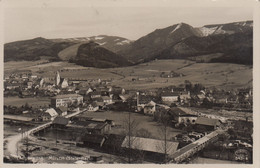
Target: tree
x=130 y=129
x=188 y=85
x=163 y=130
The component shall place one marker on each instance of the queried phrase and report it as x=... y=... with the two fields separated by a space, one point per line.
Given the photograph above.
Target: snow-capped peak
x=123 y=42
x=99 y=38
x=177 y=27
x=208 y=31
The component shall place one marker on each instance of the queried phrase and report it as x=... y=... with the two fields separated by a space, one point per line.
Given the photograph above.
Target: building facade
x=66 y=100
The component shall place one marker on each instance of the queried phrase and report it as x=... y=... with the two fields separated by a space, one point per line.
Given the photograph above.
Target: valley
x=147 y=75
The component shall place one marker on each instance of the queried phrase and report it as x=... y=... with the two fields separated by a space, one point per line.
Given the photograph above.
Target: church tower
x=57 y=79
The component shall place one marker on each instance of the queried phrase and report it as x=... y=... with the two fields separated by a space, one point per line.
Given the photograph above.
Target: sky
x=27 y=19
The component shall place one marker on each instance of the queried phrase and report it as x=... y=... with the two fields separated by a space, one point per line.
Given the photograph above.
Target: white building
x=170 y=97
x=52 y=113
x=65 y=100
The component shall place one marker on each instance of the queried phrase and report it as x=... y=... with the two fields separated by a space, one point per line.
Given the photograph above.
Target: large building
x=179 y=116
x=65 y=100
x=170 y=97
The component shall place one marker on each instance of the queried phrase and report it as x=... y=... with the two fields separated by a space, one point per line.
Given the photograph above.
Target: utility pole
x=129 y=136
x=56 y=134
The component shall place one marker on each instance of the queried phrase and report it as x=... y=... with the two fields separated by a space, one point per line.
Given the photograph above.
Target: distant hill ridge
x=230 y=42
x=93 y=55
x=180 y=41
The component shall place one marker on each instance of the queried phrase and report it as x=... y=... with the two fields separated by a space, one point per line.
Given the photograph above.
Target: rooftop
x=66 y=96
x=169 y=94
x=207 y=121
x=150 y=145
x=87 y=124
x=18 y=118
x=61 y=120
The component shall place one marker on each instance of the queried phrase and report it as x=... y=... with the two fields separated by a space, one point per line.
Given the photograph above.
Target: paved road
x=12 y=141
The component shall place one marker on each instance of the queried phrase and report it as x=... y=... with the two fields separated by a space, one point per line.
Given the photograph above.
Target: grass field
x=34 y=102
x=145 y=122
x=222 y=75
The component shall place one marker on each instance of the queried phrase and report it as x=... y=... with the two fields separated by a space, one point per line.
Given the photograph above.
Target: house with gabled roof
x=62 y=110
x=93 y=107
x=52 y=113
x=150 y=108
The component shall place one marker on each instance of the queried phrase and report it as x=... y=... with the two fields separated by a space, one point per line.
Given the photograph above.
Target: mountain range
x=231 y=42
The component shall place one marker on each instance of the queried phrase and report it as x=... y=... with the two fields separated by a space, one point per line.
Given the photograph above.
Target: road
x=13 y=141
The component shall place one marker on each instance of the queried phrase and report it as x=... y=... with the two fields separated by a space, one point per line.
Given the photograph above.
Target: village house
x=33 y=76
x=65 y=100
x=145 y=100
x=29 y=84
x=171 y=74
x=64 y=83
x=11 y=86
x=45 y=116
x=170 y=97
x=93 y=107
x=125 y=97
x=62 y=110
x=117 y=90
x=52 y=113
x=85 y=91
x=181 y=117
x=184 y=96
x=95 y=94
x=99 y=101
x=107 y=100
x=150 y=108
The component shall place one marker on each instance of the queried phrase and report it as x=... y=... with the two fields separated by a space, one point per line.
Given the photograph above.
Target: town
x=104 y=123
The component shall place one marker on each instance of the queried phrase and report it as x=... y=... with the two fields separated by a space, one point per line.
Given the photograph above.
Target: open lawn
x=34 y=102
x=145 y=122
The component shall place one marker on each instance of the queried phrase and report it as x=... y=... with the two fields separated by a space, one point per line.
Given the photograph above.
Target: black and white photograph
x=129 y=82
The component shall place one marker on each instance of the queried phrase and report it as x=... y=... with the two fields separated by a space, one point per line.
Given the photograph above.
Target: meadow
x=147 y=75
x=32 y=101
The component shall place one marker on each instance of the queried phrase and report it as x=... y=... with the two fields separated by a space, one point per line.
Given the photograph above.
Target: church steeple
x=57 y=79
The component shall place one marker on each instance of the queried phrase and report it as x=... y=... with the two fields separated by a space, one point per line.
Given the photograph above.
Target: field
x=34 y=102
x=147 y=75
x=145 y=122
